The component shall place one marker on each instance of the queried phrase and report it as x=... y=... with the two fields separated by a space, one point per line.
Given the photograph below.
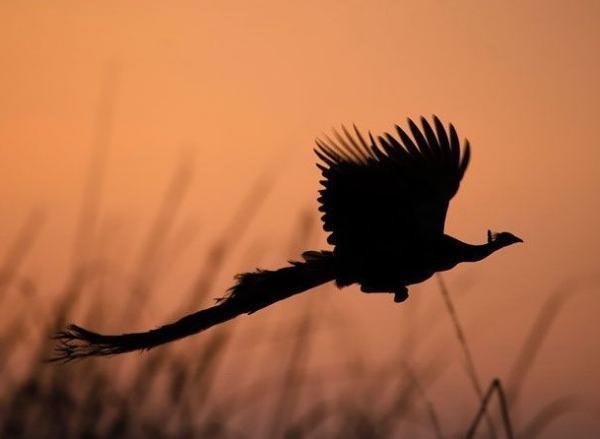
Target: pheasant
x=384 y=202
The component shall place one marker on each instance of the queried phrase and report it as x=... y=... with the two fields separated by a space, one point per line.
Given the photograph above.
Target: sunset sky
x=239 y=90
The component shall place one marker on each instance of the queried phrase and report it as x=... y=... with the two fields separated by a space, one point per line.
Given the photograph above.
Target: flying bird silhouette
x=384 y=202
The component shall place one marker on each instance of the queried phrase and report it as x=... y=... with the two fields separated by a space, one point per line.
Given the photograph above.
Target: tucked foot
x=401 y=295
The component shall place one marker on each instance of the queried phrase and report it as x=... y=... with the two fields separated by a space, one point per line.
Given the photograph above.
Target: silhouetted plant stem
x=533 y=343
x=148 y=264
x=469 y=362
x=290 y=387
x=497 y=387
x=19 y=249
x=431 y=411
x=223 y=246
x=546 y=415
x=92 y=190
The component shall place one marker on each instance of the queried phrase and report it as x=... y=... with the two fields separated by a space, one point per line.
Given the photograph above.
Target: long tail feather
x=253 y=292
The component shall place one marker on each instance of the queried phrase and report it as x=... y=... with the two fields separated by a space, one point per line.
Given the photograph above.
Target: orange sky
x=243 y=87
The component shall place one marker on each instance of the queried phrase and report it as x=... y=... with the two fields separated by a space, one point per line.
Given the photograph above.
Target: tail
x=253 y=292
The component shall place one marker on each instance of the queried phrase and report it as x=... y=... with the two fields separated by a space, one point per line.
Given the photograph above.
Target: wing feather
x=351 y=146
x=342 y=150
x=360 y=145
x=432 y=140
x=408 y=143
x=454 y=146
x=464 y=163
x=388 y=192
x=424 y=148
x=442 y=137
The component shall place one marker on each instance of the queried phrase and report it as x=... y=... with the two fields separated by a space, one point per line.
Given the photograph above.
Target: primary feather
x=387 y=198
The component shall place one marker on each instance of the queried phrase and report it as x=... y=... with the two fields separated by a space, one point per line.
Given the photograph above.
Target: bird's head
x=502 y=239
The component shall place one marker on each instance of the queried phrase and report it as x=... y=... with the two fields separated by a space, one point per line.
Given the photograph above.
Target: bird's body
x=389 y=271
x=384 y=204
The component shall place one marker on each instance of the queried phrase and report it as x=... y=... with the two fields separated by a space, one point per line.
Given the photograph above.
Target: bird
x=384 y=201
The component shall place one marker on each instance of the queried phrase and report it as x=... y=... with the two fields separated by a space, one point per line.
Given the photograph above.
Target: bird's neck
x=474 y=252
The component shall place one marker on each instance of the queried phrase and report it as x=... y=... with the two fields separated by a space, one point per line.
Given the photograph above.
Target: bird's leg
x=400 y=293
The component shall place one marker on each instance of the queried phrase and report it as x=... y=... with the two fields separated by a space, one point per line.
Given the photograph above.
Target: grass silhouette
x=117 y=399
x=171 y=392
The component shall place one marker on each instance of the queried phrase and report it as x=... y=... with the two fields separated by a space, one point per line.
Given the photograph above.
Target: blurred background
x=150 y=151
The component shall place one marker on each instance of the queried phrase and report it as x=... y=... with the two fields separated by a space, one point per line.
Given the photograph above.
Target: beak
x=519 y=239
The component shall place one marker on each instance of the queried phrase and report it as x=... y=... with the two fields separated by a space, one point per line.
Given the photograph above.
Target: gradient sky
x=243 y=88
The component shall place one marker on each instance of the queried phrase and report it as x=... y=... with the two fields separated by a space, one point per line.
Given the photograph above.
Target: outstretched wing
x=389 y=194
